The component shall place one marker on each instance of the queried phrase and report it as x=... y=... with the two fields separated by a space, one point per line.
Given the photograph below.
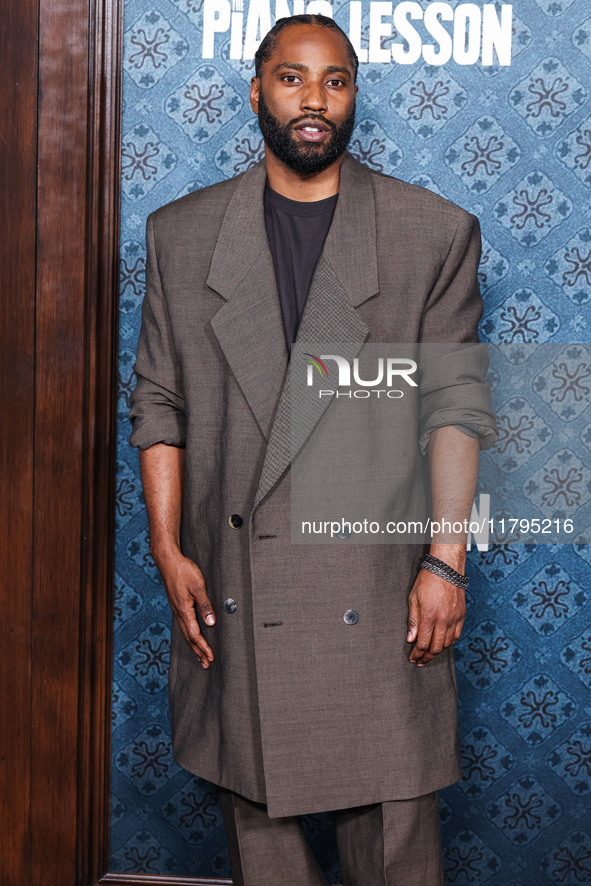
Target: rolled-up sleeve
x=453 y=375
x=157 y=404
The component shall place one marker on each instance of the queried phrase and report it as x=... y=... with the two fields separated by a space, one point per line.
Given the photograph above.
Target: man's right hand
x=185 y=589
x=163 y=478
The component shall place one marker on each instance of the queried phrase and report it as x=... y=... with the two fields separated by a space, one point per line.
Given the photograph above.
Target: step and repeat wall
x=488 y=105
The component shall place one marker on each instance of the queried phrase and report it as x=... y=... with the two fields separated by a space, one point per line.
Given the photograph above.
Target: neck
x=305 y=188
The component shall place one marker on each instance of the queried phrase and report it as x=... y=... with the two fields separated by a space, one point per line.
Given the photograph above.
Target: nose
x=313 y=97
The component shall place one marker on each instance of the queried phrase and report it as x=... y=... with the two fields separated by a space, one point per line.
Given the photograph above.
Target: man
x=303 y=678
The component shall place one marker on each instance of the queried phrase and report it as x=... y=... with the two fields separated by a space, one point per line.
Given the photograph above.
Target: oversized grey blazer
x=300 y=709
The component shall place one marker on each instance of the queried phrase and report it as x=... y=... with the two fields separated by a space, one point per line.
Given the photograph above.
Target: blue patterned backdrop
x=513 y=145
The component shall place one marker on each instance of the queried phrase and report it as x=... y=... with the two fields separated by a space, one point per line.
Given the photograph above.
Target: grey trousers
x=385 y=844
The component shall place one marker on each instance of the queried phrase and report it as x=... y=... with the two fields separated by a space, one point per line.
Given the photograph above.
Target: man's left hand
x=437 y=609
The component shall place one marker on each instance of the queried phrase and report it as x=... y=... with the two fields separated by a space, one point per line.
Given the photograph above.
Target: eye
x=335 y=81
x=290 y=78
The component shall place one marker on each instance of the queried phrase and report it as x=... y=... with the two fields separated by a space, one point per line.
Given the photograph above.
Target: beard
x=304 y=157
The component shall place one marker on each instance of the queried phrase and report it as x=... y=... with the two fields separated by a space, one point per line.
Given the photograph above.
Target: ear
x=254 y=94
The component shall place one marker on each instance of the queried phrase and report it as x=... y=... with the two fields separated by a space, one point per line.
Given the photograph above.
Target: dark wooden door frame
x=60 y=113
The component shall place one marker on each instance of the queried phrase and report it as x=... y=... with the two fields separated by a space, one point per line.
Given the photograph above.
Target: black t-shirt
x=296 y=233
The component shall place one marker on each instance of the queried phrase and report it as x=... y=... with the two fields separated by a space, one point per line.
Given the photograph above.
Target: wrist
x=453 y=555
x=165 y=551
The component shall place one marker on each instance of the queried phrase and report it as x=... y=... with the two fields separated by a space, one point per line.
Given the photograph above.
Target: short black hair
x=269 y=41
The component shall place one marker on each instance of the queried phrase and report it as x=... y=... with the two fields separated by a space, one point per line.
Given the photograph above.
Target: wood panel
x=77 y=228
x=59 y=179
x=18 y=146
x=102 y=279
x=59 y=436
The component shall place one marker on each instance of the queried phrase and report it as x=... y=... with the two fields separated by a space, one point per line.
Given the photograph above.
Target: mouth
x=312 y=130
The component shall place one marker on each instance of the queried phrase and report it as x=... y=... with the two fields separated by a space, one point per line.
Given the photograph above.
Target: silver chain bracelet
x=443 y=570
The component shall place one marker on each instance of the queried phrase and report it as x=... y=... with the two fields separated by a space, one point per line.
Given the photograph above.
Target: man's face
x=305 y=98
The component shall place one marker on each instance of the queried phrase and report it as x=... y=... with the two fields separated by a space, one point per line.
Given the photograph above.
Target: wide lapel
x=346 y=276
x=249 y=325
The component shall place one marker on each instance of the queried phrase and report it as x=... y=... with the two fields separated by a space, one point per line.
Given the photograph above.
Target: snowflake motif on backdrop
x=482 y=154
x=203 y=104
x=551 y=599
x=537 y=709
x=565 y=383
x=428 y=100
x=147 y=657
x=571 y=760
x=144 y=854
x=484 y=761
x=575 y=151
x=487 y=654
x=126 y=383
x=500 y=561
x=523 y=811
x=129 y=499
x=244 y=150
x=468 y=862
x=570 y=267
x=147 y=759
x=576 y=655
x=151 y=48
x=560 y=487
x=132 y=275
x=547 y=96
x=532 y=209
x=145 y=161
x=193 y=812
x=492 y=268
x=371 y=145
x=570 y=862
x=522 y=316
x=522 y=433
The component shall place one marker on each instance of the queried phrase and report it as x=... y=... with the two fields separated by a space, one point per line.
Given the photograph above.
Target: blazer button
x=235 y=521
x=344 y=533
x=230 y=605
x=350 y=617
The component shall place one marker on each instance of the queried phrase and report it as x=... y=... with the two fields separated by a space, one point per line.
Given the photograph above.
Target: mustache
x=296 y=120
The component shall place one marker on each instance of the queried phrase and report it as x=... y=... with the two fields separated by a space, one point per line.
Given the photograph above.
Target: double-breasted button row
x=351 y=617
x=235 y=521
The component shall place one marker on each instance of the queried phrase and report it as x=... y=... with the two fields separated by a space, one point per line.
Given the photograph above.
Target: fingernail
x=409 y=635
x=209 y=620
